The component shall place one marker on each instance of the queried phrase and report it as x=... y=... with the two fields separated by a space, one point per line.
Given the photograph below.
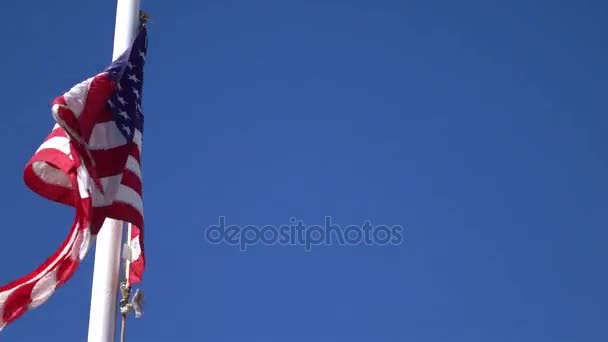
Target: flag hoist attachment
x=144 y=17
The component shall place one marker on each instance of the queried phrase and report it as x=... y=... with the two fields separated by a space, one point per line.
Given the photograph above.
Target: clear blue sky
x=479 y=126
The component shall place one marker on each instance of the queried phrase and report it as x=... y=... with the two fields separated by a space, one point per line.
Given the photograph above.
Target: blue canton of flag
x=125 y=103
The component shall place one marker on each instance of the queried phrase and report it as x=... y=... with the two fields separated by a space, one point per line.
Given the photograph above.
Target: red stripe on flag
x=16 y=304
x=65 y=270
x=120 y=211
x=110 y=162
x=52 y=192
x=132 y=181
x=135 y=152
x=57 y=132
x=96 y=109
x=65 y=115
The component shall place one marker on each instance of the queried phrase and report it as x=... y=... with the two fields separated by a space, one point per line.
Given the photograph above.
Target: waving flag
x=91 y=161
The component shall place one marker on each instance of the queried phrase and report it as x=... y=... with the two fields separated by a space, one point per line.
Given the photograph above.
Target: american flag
x=91 y=161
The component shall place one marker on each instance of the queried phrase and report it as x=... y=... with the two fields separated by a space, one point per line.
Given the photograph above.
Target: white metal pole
x=106 y=273
x=102 y=318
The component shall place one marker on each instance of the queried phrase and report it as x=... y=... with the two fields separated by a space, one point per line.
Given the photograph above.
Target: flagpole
x=106 y=273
